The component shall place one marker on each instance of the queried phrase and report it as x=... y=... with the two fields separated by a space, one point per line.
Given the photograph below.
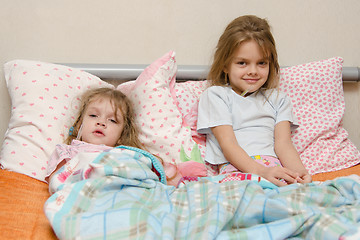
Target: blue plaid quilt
x=117 y=195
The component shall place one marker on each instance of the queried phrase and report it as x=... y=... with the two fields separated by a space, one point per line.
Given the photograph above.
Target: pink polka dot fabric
x=162 y=129
x=44 y=103
x=187 y=95
x=318 y=102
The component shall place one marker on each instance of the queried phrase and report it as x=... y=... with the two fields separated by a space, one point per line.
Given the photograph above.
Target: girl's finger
x=279 y=183
x=288 y=178
x=291 y=173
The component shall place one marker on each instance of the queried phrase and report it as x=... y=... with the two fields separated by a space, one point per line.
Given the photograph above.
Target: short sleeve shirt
x=253 y=119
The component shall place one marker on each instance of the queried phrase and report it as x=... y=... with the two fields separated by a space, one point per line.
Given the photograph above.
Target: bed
x=165 y=96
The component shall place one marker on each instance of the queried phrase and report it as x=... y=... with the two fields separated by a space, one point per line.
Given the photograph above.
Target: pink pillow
x=162 y=127
x=187 y=95
x=316 y=92
x=43 y=99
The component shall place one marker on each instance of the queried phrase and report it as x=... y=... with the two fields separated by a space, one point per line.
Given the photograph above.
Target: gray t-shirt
x=253 y=119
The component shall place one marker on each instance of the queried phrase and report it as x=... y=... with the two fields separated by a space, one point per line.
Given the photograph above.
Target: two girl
x=246 y=119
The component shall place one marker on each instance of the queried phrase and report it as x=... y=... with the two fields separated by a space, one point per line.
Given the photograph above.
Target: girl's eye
x=92 y=115
x=113 y=121
x=263 y=63
x=241 y=63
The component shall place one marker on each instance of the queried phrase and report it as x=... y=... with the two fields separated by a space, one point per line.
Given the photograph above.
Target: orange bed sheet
x=340 y=173
x=21 y=207
x=22 y=199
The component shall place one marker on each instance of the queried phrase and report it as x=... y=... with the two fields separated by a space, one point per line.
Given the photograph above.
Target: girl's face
x=248 y=70
x=100 y=125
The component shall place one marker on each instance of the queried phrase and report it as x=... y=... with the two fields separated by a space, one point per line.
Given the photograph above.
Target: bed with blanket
x=123 y=193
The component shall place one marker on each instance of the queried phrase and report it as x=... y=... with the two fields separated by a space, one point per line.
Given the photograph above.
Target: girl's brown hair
x=241 y=29
x=130 y=133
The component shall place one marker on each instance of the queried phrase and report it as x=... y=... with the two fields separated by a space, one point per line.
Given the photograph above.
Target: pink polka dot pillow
x=162 y=126
x=317 y=96
x=187 y=96
x=43 y=98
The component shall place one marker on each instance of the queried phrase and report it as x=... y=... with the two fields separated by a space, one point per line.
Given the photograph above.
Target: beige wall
x=138 y=31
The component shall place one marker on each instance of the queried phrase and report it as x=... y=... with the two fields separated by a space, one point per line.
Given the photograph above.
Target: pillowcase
x=161 y=123
x=188 y=96
x=316 y=92
x=44 y=105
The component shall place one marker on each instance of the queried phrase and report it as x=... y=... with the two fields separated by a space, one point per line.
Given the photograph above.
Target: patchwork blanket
x=120 y=194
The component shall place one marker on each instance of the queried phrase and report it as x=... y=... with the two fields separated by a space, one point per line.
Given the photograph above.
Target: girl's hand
x=306 y=178
x=275 y=174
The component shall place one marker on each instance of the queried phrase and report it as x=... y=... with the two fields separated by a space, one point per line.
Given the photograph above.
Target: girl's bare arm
x=287 y=153
x=242 y=161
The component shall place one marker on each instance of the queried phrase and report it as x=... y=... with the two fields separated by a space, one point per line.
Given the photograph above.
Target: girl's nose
x=102 y=124
x=252 y=70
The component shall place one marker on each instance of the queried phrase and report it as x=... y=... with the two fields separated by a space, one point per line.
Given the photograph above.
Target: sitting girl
x=105 y=120
x=246 y=119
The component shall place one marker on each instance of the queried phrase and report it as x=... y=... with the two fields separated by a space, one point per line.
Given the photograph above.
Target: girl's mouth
x=98 y=133
x=251 y=80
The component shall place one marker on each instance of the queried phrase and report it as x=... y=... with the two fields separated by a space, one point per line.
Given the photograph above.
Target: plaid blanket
x=117 y=195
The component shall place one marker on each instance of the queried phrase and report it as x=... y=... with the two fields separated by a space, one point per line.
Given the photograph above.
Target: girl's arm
x=241 y=160
x=287 y=153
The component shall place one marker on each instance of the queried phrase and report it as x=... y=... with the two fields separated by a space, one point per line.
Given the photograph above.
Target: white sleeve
x=214 y=109
x=284 y=111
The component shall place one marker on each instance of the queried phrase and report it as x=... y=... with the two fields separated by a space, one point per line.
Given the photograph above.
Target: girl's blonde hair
x=130 y=133
x=241 y=29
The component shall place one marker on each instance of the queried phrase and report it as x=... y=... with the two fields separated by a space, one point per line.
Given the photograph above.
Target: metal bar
x=351 y=74
x=185 y=72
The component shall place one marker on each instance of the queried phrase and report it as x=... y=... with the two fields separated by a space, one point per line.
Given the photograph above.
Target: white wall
x=138 y=31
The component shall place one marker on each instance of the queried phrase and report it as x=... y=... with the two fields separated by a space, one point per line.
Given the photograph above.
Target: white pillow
x=316 y=92
x=161 y=123
x=44 y=104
